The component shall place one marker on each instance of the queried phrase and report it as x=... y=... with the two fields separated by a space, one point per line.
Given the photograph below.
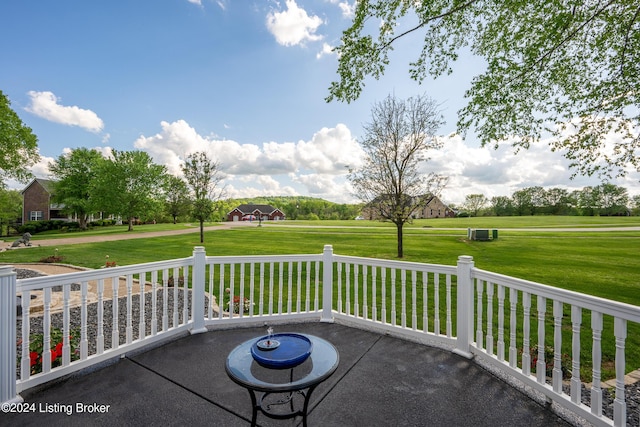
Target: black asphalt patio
x=380 y=381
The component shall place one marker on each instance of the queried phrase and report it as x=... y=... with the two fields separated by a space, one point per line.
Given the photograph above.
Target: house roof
x=251 y=208
x=47 y=184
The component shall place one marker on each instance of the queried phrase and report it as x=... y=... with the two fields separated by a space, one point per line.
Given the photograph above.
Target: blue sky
x=243 y=80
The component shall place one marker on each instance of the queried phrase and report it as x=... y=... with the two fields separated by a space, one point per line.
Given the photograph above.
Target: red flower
x=34 y=356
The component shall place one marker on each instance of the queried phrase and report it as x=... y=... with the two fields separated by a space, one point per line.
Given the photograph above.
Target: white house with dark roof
x=255 y=213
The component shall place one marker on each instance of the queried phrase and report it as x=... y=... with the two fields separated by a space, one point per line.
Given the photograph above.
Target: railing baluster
x=513 y=349
x=619 y=405
x=165 y=299
x=489 y=336
x=393 y=297
x=414 y=300
x=25 y=368
x=221 y=293
x=252 y=281
x=557 y=346
x=541 y=366
x=261 y=308
x=154 y=303
x=176 y=284
x=142 y=277
x=66 y=329
x=479 y=294
x=347 y=286
x=500 y=347
x=365 y=292
x=436 y=303
x=271 y=285
x=46 y=330
x=316 y=297
x=280 y=286
x=241 y=291
x=449 y=324
x=383 y=288
x=307 y=298
x=115 y=329
x=289 y=287
x=299 y=288
x=339 y=287
x=425 y=301
x=84 y=342
x=576 y=384
x=403 y=297
x=100 y=314
x=185 y=295
x=374 y=287
x=526 y=330
x=596 y=390
x=356 y=285
x=129 y=330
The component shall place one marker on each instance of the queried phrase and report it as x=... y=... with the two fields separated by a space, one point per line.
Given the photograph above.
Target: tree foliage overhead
x=396 y=144
x=569 y=69
x=18 y=144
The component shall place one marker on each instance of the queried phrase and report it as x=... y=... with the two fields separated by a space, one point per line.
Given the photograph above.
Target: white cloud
x=198 y=2
x=45 y=105
x=326 y=50
x=325 y=156
x=293 y=26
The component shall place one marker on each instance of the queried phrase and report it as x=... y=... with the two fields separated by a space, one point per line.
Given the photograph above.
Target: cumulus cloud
x=327 y=154
x=45 y=105
x=327 y=49
x=293 y=26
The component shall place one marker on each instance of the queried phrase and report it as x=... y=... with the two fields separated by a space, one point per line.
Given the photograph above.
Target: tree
x=522 y=203
x=10 y=208
x=566 y=69
x=129 y=185
x=177 y=201
x=474 y=202
x=18 y=144
x=611 y=199
x=74 y=173
x=395 y=145
x=203 y=177
x=502 y=206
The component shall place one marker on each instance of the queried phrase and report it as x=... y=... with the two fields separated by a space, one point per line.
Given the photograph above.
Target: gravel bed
x=75 y=318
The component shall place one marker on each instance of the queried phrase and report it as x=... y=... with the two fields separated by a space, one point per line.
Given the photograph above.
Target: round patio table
x=270 y=382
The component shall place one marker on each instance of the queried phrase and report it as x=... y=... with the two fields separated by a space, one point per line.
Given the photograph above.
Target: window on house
x=35 y=216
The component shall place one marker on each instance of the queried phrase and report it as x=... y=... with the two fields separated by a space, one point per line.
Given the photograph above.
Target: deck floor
x=380 y=381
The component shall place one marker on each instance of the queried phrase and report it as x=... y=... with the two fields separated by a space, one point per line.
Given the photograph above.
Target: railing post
x=464 y=307
x=8 y=355
x=197 y=290
x=327 y=284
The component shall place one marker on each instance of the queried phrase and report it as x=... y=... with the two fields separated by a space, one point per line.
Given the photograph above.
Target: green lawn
x=600 y=263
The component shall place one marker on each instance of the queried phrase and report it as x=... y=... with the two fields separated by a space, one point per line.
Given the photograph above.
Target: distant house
x=255 y=213
x=36 y=202
x=432 y=208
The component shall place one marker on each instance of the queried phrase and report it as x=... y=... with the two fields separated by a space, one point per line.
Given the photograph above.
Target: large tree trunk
x=399 y=232
x=130 y=224
x=201 y=231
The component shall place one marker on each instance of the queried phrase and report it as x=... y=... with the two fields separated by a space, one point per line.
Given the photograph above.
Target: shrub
x=36 y=348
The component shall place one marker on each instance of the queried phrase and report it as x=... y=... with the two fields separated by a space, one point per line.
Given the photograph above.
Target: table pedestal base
x=259 y=404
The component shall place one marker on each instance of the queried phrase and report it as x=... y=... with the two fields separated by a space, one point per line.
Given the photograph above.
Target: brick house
x=433 y=208
x=36 y=202
x=255 y=213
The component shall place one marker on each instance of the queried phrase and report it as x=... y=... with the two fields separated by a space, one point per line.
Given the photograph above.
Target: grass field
x=581 y=254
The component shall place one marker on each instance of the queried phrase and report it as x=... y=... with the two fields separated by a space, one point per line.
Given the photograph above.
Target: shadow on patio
x=381 y=380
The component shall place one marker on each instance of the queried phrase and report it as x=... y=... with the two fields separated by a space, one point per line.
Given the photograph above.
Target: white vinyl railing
x=511 y=324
